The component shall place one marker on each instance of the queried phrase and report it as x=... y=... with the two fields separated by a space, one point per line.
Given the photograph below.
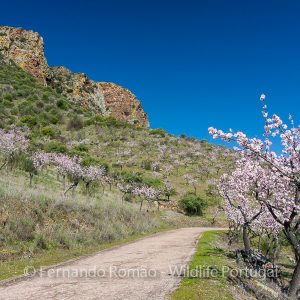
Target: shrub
x=158 y=131
x=8 y=97
x=153 y=182
x=147 y=165
x=23 y=228
x=62 y=104
x=55 y=147
x=192 y=204
x=75 y=123
x=41 y=242
x=48 y=131
x=130 y=177
x=81 y=148
x=30 y=121
x=53 y=118
x=89 y=161
x=40 y=105
x=62 y=237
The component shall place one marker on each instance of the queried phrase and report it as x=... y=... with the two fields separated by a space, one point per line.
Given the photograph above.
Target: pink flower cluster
x=245 y=192
x=145 y=191
x=264 y=190
x=68 y=166
x=12 y=143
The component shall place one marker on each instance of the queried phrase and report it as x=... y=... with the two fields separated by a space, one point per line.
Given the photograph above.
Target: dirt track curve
x=135 y=271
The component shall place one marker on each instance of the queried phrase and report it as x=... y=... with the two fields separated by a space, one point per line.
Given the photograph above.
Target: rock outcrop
x=26 y=49
x=122 y=104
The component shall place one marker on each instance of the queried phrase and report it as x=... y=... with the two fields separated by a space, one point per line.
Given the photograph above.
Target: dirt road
x=135 y=271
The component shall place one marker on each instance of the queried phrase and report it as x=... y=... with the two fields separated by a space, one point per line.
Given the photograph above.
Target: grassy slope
x=54 y=123
x=39 y=225
x=205 y=288
x=14 y=268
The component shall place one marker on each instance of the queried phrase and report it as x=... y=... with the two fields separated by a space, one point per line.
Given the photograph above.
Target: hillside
x=47 y=213
x=26 y=49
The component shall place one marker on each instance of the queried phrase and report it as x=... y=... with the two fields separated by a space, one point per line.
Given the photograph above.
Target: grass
x=207 y=254
x=11 y=269
x=40 y=227
x=53 y=123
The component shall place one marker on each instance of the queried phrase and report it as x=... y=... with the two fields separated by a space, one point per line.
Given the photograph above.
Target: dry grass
x=41 y=218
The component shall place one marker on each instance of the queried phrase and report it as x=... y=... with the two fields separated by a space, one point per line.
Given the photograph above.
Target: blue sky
x=193 y=64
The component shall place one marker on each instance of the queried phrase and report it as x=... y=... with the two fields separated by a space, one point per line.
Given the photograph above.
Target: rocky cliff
x=26 y=49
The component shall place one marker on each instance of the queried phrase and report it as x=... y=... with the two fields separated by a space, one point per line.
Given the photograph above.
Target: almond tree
x=12 y=143
x=241 y=192
x=191 y=181
x=147 y=193
x=70 y=167
x=126 y=189
x=282 y=193
x=168 y=190
x=92 y=174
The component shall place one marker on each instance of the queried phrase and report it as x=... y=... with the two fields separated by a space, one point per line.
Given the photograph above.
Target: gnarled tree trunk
x=295 y=282
x=246 y=239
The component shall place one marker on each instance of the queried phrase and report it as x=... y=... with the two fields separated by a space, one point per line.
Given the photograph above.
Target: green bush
x=131 y=177
x=30 y=121
x=53 y=118
x=8 y=97
x=158 y=131
x=62 y=104
x=106 y=121
x=48 y=131
x=147 y=165
x=55 y=147
x=153 y=182
x=81 y=148
x=88 y=160
x=41 y=242
x=192 y=204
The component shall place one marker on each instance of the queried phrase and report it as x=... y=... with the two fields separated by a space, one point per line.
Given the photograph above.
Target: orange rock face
x=122 y=104
x=26 y=49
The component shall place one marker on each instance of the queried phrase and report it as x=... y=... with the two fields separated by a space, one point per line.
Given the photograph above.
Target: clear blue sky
x=193 y=64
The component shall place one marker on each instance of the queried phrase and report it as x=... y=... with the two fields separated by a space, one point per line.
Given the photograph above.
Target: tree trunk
x=30 y=179
x=141 y=205
x=73 y=186
x=246 y=239
x=269 y=246
x=87 y=188
x=259 y=243
x=275 y=250
x=293 y=241
x=3 y=165
x=295 y=282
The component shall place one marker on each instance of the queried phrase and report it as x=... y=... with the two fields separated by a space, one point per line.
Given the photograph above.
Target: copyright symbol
x=29 y=271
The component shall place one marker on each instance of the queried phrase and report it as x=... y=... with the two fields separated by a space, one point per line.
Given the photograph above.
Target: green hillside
x=39 y=219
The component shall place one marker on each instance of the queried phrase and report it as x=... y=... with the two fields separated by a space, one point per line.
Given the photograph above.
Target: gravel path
x=135 y=271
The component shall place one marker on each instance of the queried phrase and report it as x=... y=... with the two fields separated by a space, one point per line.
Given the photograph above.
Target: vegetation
x=36 y=223
x=71 y=179
x=262 y=195
x=205 y=287
x=192 y=204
